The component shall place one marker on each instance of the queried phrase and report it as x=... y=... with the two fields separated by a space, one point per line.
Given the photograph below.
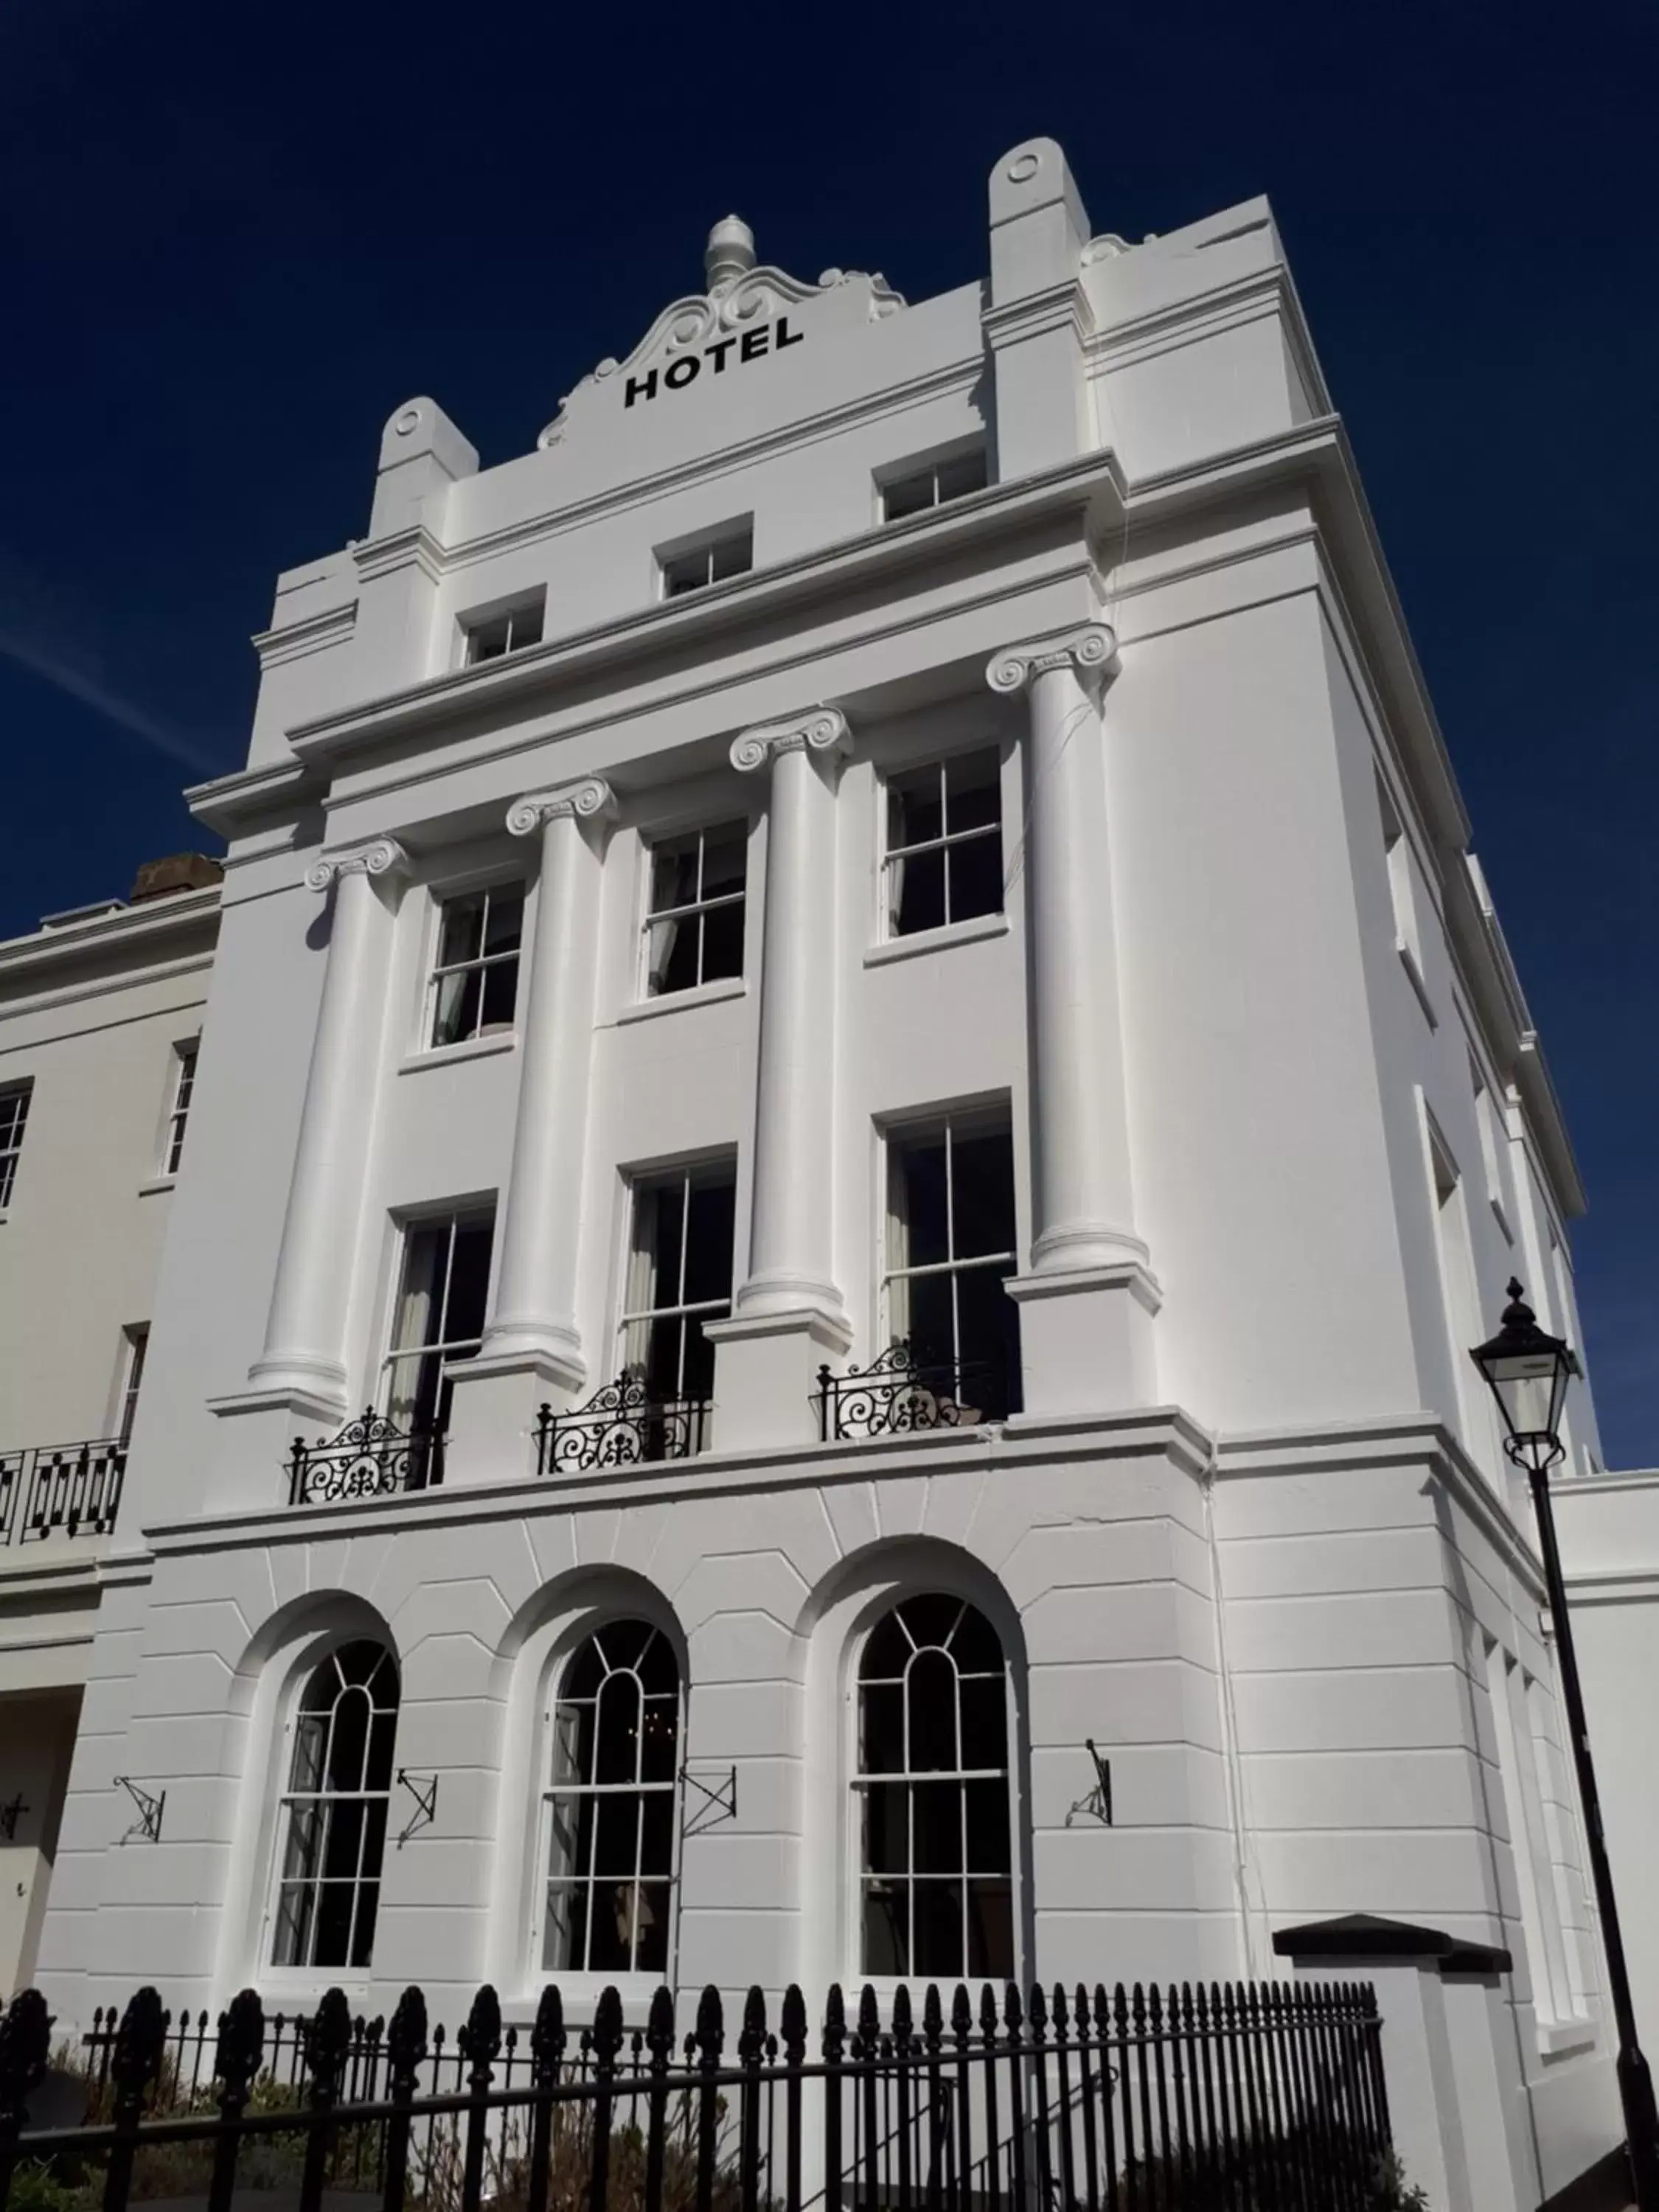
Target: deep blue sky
x=233 y=238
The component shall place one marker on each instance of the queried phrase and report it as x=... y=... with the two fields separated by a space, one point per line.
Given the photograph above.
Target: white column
x=304 y=1352
x=535 y=1306
x=787 y=1315
x=1096 y=1355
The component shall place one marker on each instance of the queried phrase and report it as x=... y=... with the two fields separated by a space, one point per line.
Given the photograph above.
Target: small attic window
x=507 y=629
x=917 y=489
x=709 y=562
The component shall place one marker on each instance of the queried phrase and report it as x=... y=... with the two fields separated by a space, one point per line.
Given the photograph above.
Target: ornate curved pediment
x=740 y=297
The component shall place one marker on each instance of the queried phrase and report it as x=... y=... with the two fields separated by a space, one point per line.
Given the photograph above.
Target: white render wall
x=1261 y=1551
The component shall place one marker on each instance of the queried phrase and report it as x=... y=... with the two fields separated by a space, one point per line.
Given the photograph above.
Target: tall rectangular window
x=944 y=858
x=694 y=927
x=731 y=554
x=951 y=1247
x=492 y=637
x=439 y=1318
x=1523 y=1805
x=183 y=1086
x=1402 y=892
x=136 y=1345
x=13 y=1116
x=679 y=1276
x=1461 y=1302
x=1491 y=1147
x=934 y=485
x=474 y=979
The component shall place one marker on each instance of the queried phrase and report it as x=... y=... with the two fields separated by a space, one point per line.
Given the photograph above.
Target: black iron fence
x=369 y=1457
x=622 y=1425
x=71 y=1490
x=1226 y=2100
x=904 y=1389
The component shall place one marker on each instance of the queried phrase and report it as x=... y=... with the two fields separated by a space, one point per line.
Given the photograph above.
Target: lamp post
x=1528 y=1372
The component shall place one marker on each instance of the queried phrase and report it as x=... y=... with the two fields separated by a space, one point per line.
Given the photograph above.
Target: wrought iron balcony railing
x=621 y=1425
x=902 y=1390
x=68 y=1490
x=369 y=1457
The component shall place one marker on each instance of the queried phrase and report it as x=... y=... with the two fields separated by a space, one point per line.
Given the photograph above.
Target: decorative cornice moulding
x=380 y=856
x=590 y=801
x=315 y=634
x=1090 y=650
x=822 y=730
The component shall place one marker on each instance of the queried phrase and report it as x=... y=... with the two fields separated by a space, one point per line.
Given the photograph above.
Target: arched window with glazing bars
x=334 y=1809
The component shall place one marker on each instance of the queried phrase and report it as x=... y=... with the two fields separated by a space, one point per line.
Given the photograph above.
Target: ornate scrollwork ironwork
x=369 y=1457
x=899 y=1393
x=622 y=1425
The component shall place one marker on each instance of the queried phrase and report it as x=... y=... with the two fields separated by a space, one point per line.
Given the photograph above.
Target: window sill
x=1558 y=2037
x=705 y=995
x=156 y=1183
x=935 y=940
x=449 y=1055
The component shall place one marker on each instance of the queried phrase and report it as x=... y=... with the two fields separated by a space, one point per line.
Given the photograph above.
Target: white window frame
x=515 y=613
x=184 y=1056
x=285 y=1797
x=717 y=1167
x=134 y=1346
x=440 y=897
x=650 y=845
x=991 y=1117
x=911 y=474
x=1402 y=894
x=894 y=771
x=549 y=1791
x=15 y=1099
x=858 y=1781
x=406 y=1228
x=706 y=550
x=1460 y=1299
x=1493 y=1145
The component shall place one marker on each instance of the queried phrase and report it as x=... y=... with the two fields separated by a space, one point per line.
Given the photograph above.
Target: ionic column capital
x=820 y=730
x=379 y=856
x=1089 y=651
x=590 y=801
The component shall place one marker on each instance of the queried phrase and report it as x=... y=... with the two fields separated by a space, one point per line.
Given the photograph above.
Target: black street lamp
x=1529 y=1371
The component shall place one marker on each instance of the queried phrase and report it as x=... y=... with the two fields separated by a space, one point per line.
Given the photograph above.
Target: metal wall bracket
x=1097 y=1803
x=9 y=1815
x=423 y=1789
x=147 y=1826
x=719 y=1802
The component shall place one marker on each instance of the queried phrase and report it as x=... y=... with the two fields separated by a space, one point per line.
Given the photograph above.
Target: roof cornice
x=143 y=929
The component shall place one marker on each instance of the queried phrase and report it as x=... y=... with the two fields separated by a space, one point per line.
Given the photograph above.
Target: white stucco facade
x=1239 y=1011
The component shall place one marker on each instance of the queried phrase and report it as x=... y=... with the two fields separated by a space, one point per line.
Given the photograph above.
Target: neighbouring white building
x=898 y=823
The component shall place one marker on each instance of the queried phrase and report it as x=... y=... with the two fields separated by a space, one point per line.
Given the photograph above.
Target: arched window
x=936 y=1872
x=334 y=1810
x=611 y=1792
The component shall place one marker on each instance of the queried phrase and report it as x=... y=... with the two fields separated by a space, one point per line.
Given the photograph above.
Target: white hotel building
x=896 y=823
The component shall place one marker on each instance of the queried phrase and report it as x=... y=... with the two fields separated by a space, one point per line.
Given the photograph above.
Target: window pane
x=919 y=1202
x=468 y=1282
x=986 y=1320
x=931 y=1693
x=988 y=1850
x=725 y=862
x=915 y=891
x=571 y=1834
x=911 y=494
x=661 y=1746
x=425 y=1253
x=886 y=1941
x=975 y=1646
x=674 y=874
x=722 y=942
x=573 y=1743
x=611 y=1928
x=984 y=1722
x=499 y=992
x=974 y=867
x=933 y=1340
x=343 y=1849
x=709 y=1253
x=363 y=1941
x=881 y=1748
x=672 y=955
x=619 y=1730
x=658 y=1668
x=938 y=1928
x=991 y=1931
x=657 y=1832
x=565 y=1936
x=966 y=473
x=615 y=1834
x=933 y=1617
x=983 y=1191
x=348 y=1749
x=331 y=1937
x=887 y=1650
x=303 y=1858
x=937 y=1832
x=656 y=1906
x=462 y=936
x=973 y=790
x=294 y=1912
x=310 y=1742
x=505 y=927
x=662 y=1232
x=914 y=807
x=733 y=557
x=455 y=1008
x=697 y=1372
x=886 y=1828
